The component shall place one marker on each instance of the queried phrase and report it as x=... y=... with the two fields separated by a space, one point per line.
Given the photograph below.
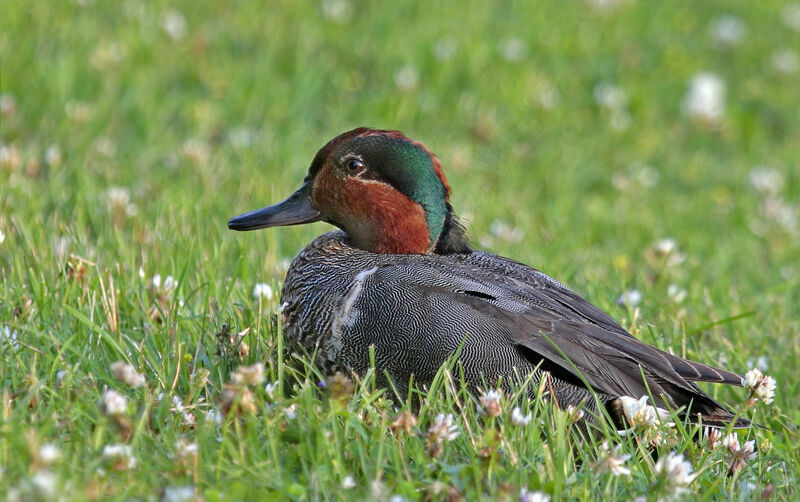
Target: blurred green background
x=616 y=145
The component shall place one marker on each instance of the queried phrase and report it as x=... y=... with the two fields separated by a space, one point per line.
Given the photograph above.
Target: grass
x=202 y=120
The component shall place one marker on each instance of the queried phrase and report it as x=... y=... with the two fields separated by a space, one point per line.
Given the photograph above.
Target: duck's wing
x=551 y=325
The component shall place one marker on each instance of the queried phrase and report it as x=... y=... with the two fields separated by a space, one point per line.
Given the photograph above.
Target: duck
x=399 y=286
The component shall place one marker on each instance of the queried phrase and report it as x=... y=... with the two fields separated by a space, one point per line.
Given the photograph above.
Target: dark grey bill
x=295 y=210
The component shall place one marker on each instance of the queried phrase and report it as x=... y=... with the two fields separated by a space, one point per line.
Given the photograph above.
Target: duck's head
x=386 y=191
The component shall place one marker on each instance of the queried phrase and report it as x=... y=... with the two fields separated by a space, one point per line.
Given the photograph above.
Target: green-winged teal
x=401 y=277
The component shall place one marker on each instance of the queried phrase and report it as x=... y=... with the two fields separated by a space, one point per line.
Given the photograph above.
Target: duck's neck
x=403 y=229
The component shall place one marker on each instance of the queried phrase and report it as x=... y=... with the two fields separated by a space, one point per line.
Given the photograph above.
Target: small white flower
x=348 y=483
x=766 y=180
x=610 y=96
x=9 y=337
x=676 y=471
x=490 y=403
x=727 y=30
x=8 y=104
x=526 y=495
x=120 y=454
x=156 y=281
x=790 y=14
x=44 y=485
x=513 y=49
x=785 y=61
x=48 y=453
x=112 y=403
x=641 y=414
x=518 y=419
x=676 y=293
x=337 y=10
x=262 y=291
x=505 y=231
x=611 y=460
x=630 y=298
x=2 y=236
x=249 y=375
x=665 y=246
x=705 y=99
x=271 y=387
x=53 y=156
x=406 y=78
x=574 y=414
x=731 y=442
x=760 y=386
x=178 y=494
x=444 y=48
x=174 y=23
x=170 y=283
x=214 y=417
x=290 y=412
x=118 y=201
x=196 y=150
x=185 y=449
x=443 y=428
x=126 y=374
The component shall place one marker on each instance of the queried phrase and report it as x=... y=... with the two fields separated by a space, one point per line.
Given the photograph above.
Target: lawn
x=637 y=151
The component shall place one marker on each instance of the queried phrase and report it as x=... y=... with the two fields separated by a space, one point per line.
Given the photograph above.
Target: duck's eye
x=353 y=165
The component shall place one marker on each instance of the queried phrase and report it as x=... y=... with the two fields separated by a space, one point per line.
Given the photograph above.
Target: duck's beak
x=295 y=210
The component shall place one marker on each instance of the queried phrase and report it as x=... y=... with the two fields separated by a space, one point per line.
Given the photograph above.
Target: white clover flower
x=178 y=494
x=610 y=96
x=271 y=387
x=641 y=414
x=518 y=419
x=2 y=236
x=213 y=416
x=630 y=298
x=785 y=61
x=505 y=231
x=739 y=455
x=196 y=150
x=7 y=336
x=513 y=49
x=337 y=10
x=44 y=485
x=713 y=435
x=574 y=414
x=48 y=453
x=121 y=455
x=727 y=30
x=766 y=180
x=665 y=246
x=731 y=442
x=676 y=293
x=790 y=14
x=112 y=403
x=53 y=155
x=184 y=449
x=262 y=291
x=760 y=386
x=490 y=403
x=348 y=483
x=8 y=104
x=174 y=23
x=444 y=48
x=705 y=99
x=526 y=495
x=249 y=375
x=406 y=78
x=611 y=460
x=126 y=374
x=118 y=201
x=676 y=471
x=290 y=412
